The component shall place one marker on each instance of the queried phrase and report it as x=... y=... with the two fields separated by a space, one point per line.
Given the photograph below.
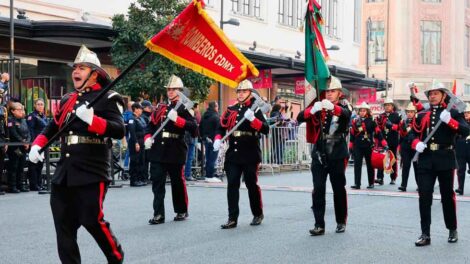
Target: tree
x=144 y=19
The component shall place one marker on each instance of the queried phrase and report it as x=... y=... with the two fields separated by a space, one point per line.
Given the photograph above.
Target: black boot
x=370 y=186
x=340 y=228
x=158 y=219
x=453 y=236
x=317 y=231
x=230 y=224
x=181 y=216
x=423 y=240
x=459 y=191
x=357 y=187
x=401 y=188
x=257 y=220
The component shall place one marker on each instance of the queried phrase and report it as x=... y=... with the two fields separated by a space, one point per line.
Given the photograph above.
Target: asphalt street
x=382 y=227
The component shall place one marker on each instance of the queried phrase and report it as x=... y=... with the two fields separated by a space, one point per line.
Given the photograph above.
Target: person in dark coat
x=81 y=179
x=136 y=129
x=406 y=151
x=462 y=149
x=209 y=125
x=37 y=121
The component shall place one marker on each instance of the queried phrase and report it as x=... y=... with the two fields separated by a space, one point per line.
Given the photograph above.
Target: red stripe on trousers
x=105 y=229
x=259 y=189
x=184 y=189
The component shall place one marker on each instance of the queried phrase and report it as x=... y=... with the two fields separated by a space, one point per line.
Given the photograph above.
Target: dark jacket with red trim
x=336 y=149
x=405 y=127
x=82 y=164
x=243 y=149
x=388 y=123
x=169 y=149
x=442 y=159
x=462 y=145
x=363 y=133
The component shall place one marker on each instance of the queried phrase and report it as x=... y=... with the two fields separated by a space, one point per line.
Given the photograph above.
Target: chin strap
x=83 y=84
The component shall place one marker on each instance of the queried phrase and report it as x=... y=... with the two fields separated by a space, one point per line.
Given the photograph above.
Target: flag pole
x=96 y=99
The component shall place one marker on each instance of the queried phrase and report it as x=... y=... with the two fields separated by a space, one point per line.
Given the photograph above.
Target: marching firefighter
x=167 y=153
x=81 y=179
x=462 y=149
x=327 y=128
x=406 y=152
x=136 y=129
x=243 y=154
x=363 y=133
x=437 y=159
x=388 y=123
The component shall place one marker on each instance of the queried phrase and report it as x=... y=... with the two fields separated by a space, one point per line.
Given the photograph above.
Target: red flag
x=454 y=87
x=193 y=40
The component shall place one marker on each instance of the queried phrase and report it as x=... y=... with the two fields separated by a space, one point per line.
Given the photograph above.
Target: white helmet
x=436 y=86
x=245 y=85
x=90 y=59
x=174 y=82
x=364 y=105
x=334 y=84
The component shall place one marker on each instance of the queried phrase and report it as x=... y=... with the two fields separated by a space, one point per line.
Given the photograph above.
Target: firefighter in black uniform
x=243 y=154
x=329 y=153
x=3 y=137
x=437 y=160
x=136 y=129
x=462 y=149
x=406 y=152
x=388 y=123
x=168 y=153
x=362 y=135
x=18 y=133
x=81 y=179
x=37 y=121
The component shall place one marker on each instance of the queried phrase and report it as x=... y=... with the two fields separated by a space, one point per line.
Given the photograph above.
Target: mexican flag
x=315 y=50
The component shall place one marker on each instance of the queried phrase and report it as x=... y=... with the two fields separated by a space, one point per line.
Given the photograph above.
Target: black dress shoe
x=423 y=240
x=317 y=231
x=340 y=228
x=459 y=191
x=181 y=216
x=158 y=219
x=2 y=193
x=379 y=181
x=257 y=220
x=371 y=186
x=392 y=182
x=230 y=224
x=24 y=190
x=401 y=188
x=357 y=187
x=453 y=236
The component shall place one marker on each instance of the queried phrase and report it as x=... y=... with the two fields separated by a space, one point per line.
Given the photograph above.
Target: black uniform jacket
x=462 y=145
x=85 y=163
x=36 y=123
x=243 y=148
x=440 y=151
x=388 y=124
x=363 y=132
x=334 y=140
x=136 y=129
x=18 y=132
x=405 y=127
x=169 y=145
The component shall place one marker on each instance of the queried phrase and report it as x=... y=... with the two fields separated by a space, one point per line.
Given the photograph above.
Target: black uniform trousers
x=336 y=170
x=158 y=172
x=394 y=174
x=77 y=206
x=407 y=154
x=250 y=175
x=426 y=180
x=35 y=175
x=463 y=161
x=16 y=162
x=136 y=166
x=360 y=153
x=146 y=168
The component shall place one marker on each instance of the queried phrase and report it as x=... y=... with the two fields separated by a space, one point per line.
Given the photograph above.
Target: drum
x=383 y=160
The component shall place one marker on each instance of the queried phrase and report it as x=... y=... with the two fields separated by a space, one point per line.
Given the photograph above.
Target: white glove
x=85 y=114
x=250 y=115
x=420 y=147
x=148 y=143
x=316 y=107
x=34 y=155
x=327 y=104
x=217 y=144
x=445 y=116
x=172 y=115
